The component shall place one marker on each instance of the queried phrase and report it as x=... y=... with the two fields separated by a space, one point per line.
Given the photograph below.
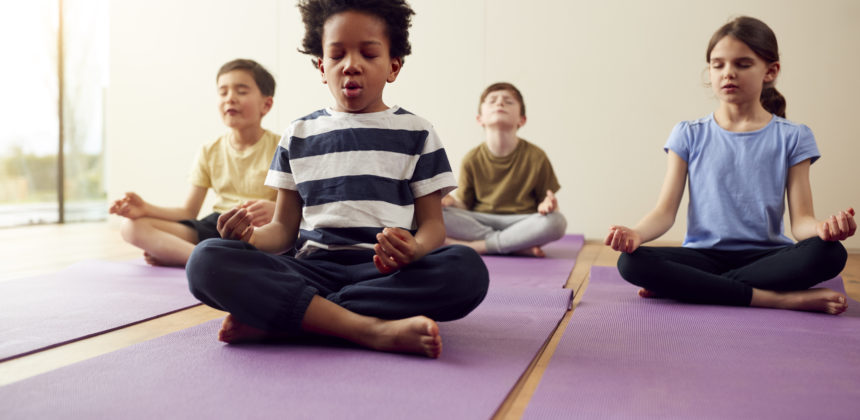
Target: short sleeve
x=280 y=174
x=548 y=180
x=804 y=147
x=466 y=184
x=432 y=171
x=678 y=141
x=200 y=175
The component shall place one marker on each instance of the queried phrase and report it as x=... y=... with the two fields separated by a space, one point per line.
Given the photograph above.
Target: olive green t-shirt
x=513 y=184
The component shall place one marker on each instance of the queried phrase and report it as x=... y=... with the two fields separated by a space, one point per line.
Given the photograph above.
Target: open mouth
x=352 y=89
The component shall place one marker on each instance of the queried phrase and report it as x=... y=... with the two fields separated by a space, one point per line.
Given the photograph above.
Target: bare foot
x=452 y=241
x=418 y=334
x=233 y=331
x=153 y=260
x=479 y=246
x=815 y=300
x=534 y=251
x=647 y=293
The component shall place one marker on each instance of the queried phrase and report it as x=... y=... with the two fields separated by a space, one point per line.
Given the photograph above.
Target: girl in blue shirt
x=741 y=160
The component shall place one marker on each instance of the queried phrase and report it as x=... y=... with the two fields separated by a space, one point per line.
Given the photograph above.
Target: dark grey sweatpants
x=272 y=292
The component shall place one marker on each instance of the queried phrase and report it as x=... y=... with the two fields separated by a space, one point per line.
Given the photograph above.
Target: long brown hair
x=762 y=41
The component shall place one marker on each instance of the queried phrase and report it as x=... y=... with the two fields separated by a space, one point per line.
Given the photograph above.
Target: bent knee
x=466 y=271
x=633 y=266
x=556 y=225
x=828 y=256
x=131 y=230
x=205 y=264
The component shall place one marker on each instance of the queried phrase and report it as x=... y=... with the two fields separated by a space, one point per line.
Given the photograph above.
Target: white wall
x=604 y=82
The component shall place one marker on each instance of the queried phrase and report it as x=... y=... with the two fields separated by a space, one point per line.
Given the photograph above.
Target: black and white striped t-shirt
x=358 y=173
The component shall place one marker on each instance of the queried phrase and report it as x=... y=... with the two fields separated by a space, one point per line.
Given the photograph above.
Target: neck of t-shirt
x=501 y=143
x=742 y=117
x=241 y=139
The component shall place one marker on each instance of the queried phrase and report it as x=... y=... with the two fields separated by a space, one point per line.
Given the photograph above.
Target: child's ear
x=321 y=69
x=396 y=65
x=267 y=105
x=522 y=121
x=772 y=72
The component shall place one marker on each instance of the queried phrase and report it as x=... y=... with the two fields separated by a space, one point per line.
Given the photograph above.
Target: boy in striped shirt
x=359 y=198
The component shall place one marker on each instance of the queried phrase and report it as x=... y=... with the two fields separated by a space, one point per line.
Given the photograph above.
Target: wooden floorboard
x=45 y=361
x=518 y=399
x=35 y=250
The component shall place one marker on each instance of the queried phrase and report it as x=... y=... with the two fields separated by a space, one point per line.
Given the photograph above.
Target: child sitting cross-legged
x=506 y=198
x=359 y=197
x=234 y=166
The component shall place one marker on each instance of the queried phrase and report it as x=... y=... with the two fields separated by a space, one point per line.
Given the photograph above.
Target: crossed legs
x=779 y=278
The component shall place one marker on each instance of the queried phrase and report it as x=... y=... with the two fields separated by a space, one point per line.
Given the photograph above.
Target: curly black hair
x=397 y=15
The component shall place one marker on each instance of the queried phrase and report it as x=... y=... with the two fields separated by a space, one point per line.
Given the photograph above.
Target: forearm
x=173 y=214
x=804 y=228
x=274 y=238
x=279 y=236
x=654 y=225
x=430 y=236
x=662 y=217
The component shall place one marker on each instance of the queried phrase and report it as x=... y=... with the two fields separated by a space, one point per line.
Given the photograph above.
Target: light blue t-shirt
x=737 y=181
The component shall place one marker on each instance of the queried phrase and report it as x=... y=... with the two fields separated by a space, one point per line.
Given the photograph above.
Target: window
x=54 y=74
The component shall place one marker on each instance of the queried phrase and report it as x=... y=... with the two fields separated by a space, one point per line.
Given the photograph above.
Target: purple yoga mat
x=85 y=299
x=550 y=272
x=622 y=356
x=189 y=374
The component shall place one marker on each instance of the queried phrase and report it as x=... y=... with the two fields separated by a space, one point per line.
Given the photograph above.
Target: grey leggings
x=504 y=233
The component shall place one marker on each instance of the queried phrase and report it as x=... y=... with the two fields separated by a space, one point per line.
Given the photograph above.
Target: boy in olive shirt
x=505 y=202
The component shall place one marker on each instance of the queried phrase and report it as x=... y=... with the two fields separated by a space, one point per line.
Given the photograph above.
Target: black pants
x=728 y=277
x=272 y=292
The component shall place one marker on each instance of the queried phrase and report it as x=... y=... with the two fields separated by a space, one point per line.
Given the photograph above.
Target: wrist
x=145 y=208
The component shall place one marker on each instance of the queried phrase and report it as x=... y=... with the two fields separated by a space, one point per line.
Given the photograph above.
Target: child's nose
x=351 y=65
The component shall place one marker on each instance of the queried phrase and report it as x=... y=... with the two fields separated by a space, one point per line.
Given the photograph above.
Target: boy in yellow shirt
x=234 y=166
x=506 y=200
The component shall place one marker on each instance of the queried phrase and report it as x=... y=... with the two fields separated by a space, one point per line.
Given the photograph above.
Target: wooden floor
x=29 y=251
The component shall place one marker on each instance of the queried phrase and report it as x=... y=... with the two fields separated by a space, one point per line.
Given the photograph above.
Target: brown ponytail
x=762 y=41
x=773 y=101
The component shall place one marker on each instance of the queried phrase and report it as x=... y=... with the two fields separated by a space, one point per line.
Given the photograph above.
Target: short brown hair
x=504 y=86
x=264 y=80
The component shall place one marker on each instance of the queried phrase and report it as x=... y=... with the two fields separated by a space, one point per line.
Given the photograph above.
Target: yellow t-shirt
x=513 y=184
x=235 y=176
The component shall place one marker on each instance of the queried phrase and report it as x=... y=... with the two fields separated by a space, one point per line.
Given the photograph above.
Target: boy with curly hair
x=359 y=197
